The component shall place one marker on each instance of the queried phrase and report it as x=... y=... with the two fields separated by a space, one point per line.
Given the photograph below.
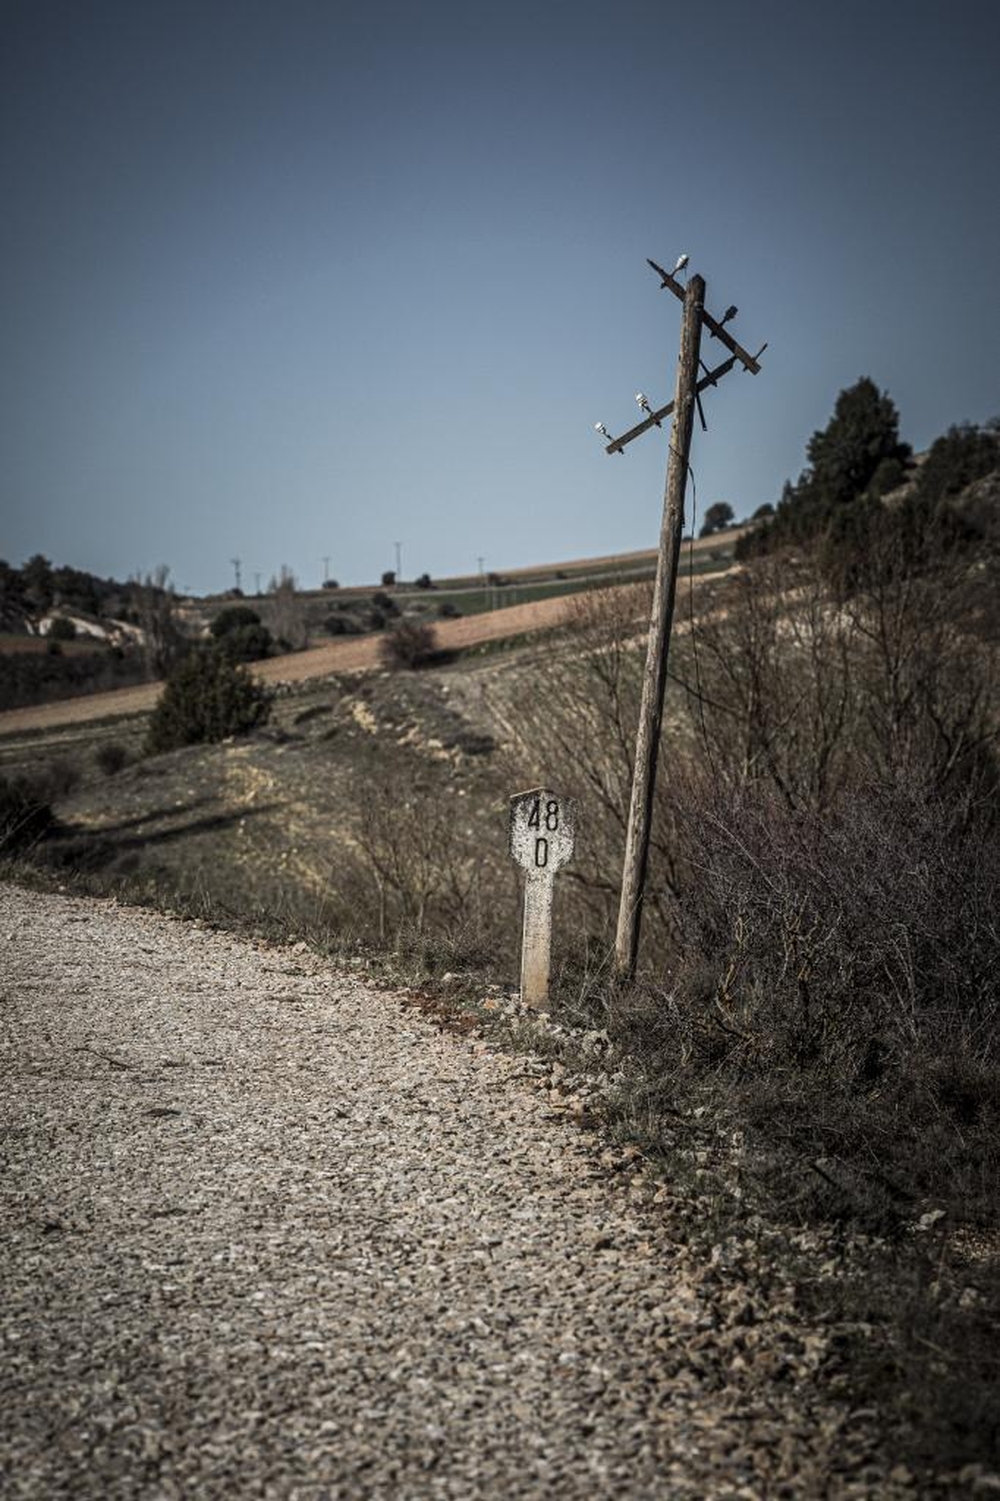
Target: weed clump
x=206 y=698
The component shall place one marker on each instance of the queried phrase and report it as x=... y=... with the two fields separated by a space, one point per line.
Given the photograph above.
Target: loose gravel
x=270 y=1233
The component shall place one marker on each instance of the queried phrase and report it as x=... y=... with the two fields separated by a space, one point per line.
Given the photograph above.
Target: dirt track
x=339 y=656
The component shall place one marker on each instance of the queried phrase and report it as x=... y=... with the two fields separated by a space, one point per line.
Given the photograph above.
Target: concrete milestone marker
x=542 y=839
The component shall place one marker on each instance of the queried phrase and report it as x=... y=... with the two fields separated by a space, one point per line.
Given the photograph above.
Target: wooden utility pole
x=655 y=677
x=687 y=398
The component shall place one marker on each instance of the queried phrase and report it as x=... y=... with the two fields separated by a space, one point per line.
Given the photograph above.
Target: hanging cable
x=694 y=638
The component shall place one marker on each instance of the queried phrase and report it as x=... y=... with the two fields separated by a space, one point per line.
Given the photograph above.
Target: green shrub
x=963 y=454
x=207 y=697
x=241 y=635
x=343 y=624
x=838 y=979
x=251 y=643
x=61 y=629
x=717 y=518
x=235 y=618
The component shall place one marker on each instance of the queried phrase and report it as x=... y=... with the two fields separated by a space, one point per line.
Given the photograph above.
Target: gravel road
x=270 y=1233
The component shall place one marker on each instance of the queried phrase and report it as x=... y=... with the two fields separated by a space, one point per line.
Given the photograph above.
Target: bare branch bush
x=928 y=682
x=154 y=606
x=807 y=692
x=427 y=867
x=285 y=610
x=408 y=643
x=839 y=875
x=842 y=970
x=572 y=723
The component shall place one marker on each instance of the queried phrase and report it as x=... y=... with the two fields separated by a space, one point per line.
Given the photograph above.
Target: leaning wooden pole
x=655 y=676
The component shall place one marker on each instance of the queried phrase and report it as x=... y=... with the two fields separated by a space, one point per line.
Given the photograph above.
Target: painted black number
x=541 y=853
x=552 y=816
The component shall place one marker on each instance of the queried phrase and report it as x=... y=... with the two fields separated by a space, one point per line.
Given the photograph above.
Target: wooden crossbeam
x=748 y=361
x=617 y=445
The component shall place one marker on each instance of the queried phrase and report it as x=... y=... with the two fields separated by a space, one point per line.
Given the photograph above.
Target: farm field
x=354 y=654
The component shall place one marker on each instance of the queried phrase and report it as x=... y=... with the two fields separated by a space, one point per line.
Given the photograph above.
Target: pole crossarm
x=712 y=378
x=748 y=361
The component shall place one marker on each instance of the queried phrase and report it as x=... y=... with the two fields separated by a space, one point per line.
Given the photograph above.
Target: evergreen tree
x=37 y=577
x=207 y=697
x=846 y=455
x=717 y=516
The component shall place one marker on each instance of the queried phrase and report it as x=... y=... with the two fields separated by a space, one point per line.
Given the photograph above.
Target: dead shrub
x=792 y=685
x=284 y=611
x=426 y=865
x=409 y=643
x=840 y=973
x=572 y=720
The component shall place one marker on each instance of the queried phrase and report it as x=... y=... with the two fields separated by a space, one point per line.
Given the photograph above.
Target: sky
x=295 y=282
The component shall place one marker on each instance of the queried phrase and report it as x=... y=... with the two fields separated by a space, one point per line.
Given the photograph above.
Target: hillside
x=54 y=652
x=551 y=605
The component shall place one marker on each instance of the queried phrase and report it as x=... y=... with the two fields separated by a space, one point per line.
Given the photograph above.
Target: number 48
x=551 y=815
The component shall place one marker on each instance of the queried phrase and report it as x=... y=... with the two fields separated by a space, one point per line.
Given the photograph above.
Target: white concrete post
x=542 y=839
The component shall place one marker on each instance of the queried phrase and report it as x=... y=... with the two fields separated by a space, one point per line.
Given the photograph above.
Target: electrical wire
x=694 y=638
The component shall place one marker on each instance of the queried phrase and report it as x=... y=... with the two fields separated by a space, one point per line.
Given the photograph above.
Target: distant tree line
x=33 y=590
x=38 y=587
x=28 y=678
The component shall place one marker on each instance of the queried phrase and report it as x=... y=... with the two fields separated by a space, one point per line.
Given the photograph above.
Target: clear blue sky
x=286 y=280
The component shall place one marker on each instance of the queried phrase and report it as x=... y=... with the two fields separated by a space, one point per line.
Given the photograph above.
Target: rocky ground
x=271 y=1233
